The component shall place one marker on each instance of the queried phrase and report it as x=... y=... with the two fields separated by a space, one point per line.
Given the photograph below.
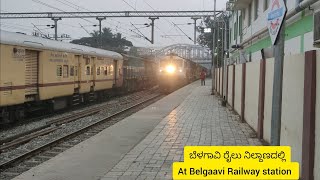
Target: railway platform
x=144 y=145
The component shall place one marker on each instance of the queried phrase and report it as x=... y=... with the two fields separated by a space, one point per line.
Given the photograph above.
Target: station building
x=249 y=18
x=246 y=79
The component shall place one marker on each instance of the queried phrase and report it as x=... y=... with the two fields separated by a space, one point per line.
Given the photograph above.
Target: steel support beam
x=152 y=26
x=119 y=14
x=195 y=29
x=100 y=30
x=213 y=48
x=56 y=27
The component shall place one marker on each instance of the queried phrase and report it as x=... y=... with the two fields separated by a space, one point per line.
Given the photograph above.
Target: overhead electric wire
x=141 y=33
x=77 y=7
x=135 y=27
x=117 y=30
x=41 y=31
x=16 y=24
x=72 y=6
x=129 y=5
x=21 y=27
x=14 y=27
x=183 y=32
x=50 y=6
x=171 y=24
x=45 y=4
x=84 y=29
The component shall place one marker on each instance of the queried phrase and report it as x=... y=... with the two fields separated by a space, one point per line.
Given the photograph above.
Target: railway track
x=52 y=125
x=34 y=117
x=33 y=157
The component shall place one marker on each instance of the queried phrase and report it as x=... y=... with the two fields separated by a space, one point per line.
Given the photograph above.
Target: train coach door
x=115 y=72
x=93 y=72
x=32 y=72
x=77 y=73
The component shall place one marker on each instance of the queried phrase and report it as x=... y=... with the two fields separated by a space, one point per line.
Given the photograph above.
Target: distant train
x=42 y=74
x=139 y=73
x=175 y=72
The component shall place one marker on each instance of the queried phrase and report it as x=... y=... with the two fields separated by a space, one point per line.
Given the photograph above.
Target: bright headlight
x=170 y=69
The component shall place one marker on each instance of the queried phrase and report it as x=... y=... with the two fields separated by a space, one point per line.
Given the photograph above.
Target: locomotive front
x=172 y=73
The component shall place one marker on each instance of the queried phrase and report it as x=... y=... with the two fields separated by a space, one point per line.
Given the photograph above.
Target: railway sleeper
x=10 y=173
x=32 y=163
x=41 y=158
x=60 y=148
x=64 y=146
x=16 y=169
x=56 y=150
x=50 y=154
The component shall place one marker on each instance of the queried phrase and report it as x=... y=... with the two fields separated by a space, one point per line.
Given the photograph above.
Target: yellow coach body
x=104 y=76
x=12 y=77
x=37 y=69
x=54 y=74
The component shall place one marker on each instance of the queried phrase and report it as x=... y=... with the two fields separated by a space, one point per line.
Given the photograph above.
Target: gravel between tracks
x=113 y=106
x=32 y=125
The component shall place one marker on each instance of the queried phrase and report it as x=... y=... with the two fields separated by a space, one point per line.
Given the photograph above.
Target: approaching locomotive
x=175 y=72
x=43 y=74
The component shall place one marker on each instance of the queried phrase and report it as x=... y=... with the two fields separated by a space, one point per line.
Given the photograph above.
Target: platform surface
x=144 y=145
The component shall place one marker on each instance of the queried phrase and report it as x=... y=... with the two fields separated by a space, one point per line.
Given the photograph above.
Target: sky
x=78 y=28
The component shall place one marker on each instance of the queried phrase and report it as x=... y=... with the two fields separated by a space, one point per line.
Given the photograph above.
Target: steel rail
x=27 y=138
x=11 y=138
x=24 y=137
x=27 y=135
x=37 y=150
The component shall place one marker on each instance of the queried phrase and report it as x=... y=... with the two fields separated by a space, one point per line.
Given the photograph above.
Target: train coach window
x=71 y=70
x=111 y=70
x=59 y=70
x=101 y=70
x=106 y=70
x=76 y=70
x=65 y=71
x=88 y=69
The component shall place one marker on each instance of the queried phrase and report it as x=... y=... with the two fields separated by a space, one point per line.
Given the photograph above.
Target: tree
x=110 y=41
x=206 y=39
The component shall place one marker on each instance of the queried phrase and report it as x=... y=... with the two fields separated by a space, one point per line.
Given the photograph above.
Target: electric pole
x=56 y=27
x=277 y=86
x=225 y=54
x=100 y=30
x=213 y=49
x=152 y=26
x=195 y=29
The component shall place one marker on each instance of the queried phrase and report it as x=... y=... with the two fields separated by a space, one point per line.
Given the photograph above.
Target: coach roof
x=17 y=39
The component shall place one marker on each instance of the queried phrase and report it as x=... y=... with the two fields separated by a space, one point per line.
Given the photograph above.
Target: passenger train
x=41 y=74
